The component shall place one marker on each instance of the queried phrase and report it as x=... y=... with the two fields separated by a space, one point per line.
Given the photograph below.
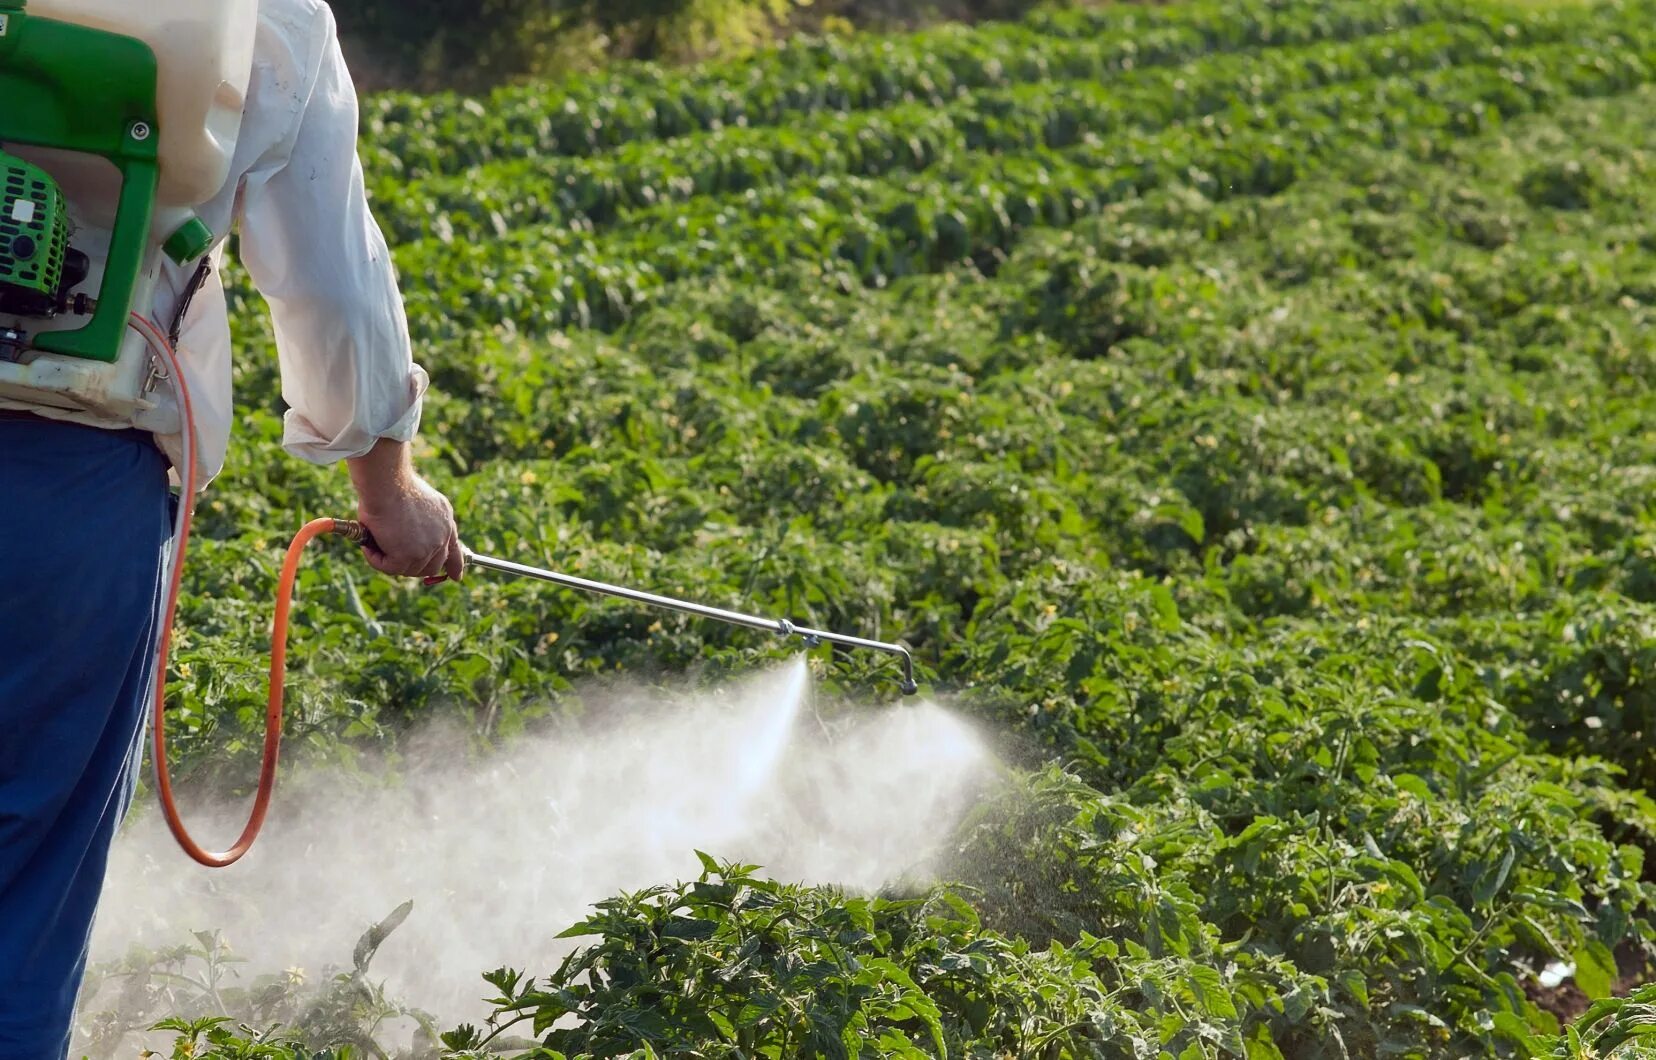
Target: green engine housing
x=78 y=89
x=34 y=242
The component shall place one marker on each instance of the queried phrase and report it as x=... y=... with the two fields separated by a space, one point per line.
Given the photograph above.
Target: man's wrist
x=385 y=471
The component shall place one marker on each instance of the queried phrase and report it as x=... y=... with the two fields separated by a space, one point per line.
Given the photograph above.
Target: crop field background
x=1246 y=410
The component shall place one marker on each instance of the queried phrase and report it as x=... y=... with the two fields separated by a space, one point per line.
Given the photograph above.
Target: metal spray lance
x=355 y=531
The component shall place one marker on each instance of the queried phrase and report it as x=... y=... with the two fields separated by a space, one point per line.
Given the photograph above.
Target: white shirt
x=315 y=253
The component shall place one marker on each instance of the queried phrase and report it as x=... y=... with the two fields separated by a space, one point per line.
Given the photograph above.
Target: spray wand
x=172 y=370
x=782 y=627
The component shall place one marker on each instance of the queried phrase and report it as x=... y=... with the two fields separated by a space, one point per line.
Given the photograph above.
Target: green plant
x=339 y=1018
x=736 y=965
x=1241 y=408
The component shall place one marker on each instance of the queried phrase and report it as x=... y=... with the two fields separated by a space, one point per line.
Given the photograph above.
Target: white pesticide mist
x=501 y=852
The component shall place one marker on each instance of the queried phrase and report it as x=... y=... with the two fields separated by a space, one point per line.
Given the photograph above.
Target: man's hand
x=413 y=524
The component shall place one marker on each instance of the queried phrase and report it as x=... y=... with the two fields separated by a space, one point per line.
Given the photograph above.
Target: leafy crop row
x=418 y=136
x=493 y=201
x=872 y=231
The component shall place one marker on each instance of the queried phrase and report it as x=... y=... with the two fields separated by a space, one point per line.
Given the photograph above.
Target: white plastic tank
x=205 y=52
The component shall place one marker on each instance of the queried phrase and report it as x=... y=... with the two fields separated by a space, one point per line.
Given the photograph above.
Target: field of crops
x=1247 y=411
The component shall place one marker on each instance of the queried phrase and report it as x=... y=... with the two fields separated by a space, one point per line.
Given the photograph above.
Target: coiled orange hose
x=278 y=633
x=273 y=711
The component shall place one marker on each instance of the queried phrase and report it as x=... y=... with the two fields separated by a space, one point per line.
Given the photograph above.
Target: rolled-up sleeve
x=312 y=247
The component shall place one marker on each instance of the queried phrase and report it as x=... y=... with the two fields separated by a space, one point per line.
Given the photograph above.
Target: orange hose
x=273 y=710
x=278 y=636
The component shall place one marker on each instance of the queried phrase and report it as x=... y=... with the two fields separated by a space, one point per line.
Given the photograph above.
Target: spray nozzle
x=816 y=638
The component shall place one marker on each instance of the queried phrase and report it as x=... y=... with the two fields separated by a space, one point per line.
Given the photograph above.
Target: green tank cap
x=191 y=241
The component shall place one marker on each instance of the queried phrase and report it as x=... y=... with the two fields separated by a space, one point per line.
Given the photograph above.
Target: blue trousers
x=84 y=519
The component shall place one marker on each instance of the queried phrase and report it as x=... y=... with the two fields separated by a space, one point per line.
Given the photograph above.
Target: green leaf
x=1595 y=971
x=1355 y=983
x=1212 y=998
x=1491 y=882
x=375 y=936
x=1167 y=610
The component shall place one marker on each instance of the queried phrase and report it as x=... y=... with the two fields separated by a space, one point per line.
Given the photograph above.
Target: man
x=85 y=516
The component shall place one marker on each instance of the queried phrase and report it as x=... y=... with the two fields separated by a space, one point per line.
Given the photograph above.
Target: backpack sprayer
x=139 y=105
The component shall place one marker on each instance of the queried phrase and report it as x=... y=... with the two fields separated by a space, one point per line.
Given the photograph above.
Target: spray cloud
x=502 y=853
